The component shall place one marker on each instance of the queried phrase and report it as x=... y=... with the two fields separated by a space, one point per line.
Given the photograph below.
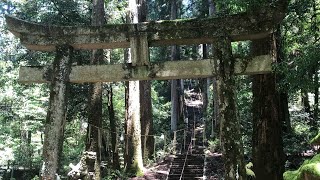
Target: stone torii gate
x=220 y=31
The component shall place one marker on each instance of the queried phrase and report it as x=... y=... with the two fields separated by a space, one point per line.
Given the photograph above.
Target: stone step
x=187 y=171
x=185 y=176
x=198 y=159
x=187 y=163
x=187 y=167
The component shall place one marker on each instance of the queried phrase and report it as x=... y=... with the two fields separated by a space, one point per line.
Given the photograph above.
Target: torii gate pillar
x=56 y=116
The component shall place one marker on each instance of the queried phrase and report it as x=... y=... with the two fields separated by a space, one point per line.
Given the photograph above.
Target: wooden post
x=203 y=135
x=54 y=126
x=194 y=133
x=184 y=138
x=139 y=50
x=154 y=148
x=164 y=142
x=174 y=141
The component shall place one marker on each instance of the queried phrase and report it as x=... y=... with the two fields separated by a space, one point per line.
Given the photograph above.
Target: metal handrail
x=185 y=159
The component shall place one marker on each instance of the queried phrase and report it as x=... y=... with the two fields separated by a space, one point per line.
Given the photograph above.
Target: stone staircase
x=189 y=164
x=187 y=167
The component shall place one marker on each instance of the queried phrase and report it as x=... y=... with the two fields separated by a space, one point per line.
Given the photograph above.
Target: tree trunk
x=204 y=82
x=128 y=122
x=230 y=126
x=316 y=98
x=175 y=108
x=60 y=147
x=315 y=29
x=113 y=129
x=215 y=120
x=147 y=137
x=57 y=111
x=134 y=155
x=94 y=134
x=305 y=102
x=284 y=107
x=94 y=138
x=267 y=148
x=135 y=164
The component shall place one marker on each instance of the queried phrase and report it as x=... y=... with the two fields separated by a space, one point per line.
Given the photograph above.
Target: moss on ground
x=310 y=169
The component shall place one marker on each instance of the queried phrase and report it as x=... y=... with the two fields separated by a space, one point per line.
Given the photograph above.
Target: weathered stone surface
x=240 y=27
x=156 y=71
x=57 y=109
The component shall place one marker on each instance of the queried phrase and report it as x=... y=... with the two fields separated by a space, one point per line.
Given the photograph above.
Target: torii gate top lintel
x=239 y=27
x=140 y=36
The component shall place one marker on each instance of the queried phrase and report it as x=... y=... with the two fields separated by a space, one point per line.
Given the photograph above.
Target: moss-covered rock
x=309 y=170
x=316 y=140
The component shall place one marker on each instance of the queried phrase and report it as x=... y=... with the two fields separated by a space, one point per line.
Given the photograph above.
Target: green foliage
x=36 y=178
x=298 y=140
x=302 y=65
x=249 y=171
x=158 y=10
x=214 y=145
x=290 y=175
x=115 y=174
x=160 y=107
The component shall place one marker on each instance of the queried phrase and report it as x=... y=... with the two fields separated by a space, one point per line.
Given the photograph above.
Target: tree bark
x=215 y=113
x=205 y=85
x=146 y=120
x=147 y=137
x=315 y=29
x=284 y=103
x=230 y=126
x=113 y=129
x=94 y=135
x=316 y=98
x=305 y=102
x=128 y=122
x=134 y=158
x=267 y=148
x=175 y=108
x=57 y=111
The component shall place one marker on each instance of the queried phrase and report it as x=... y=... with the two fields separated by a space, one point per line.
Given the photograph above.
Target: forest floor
x=159 y=170
x=213 y=166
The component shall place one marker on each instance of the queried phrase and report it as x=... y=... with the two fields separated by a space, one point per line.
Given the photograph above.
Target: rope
x=185 y=159
x=99 y=128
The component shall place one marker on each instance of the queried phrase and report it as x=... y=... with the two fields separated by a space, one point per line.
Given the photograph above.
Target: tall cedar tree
x=267 y=148
x=147 y=137
x=112 y=120
x=232 y=147
x=174 y=83
x=94 y=133
x=215 y=120
x=134 y=163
